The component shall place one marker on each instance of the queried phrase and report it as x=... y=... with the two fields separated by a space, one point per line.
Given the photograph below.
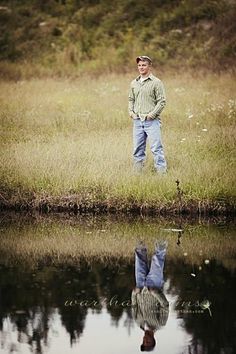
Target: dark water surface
x=84 y=306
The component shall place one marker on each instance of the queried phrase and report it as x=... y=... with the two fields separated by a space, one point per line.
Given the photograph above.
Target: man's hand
x=132 y=115
x=137 y=290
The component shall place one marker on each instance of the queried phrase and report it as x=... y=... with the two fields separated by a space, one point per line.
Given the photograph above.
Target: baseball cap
x=144 y=57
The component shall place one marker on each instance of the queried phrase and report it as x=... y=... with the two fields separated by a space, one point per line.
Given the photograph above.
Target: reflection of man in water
x=150 y=307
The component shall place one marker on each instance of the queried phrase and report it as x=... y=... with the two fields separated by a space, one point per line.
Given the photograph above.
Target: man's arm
x=131 y=102
x=160 y=297
x=134 y=296
x=160 y=100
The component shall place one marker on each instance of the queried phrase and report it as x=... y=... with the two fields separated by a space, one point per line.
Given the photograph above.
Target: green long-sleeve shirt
x=146 y=98
x=150 y=308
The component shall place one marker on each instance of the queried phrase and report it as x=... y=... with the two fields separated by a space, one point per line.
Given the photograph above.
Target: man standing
x=146 y=102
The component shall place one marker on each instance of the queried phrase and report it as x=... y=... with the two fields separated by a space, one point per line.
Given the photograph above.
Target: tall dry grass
x=61 y=137
x=106 y=239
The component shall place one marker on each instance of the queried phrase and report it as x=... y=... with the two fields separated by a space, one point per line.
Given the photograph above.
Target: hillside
x=63 y=36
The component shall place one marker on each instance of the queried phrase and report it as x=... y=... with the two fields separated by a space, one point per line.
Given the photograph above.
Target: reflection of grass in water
x=75 y=139
x=111 y=241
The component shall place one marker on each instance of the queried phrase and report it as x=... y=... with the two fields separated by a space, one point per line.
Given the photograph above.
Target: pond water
x=82 y=304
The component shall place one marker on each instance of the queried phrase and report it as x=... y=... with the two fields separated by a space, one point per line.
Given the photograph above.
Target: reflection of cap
x=145 y=58
x=146 y=349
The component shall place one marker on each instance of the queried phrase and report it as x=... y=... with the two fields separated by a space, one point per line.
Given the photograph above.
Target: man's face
x=144 y=67
x=148 y=341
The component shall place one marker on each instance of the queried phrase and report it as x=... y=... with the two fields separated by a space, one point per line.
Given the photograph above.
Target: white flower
x=185 y=254
x=207 y=261
x=179 y=90
x=193 y=274
x=205 y=305
x=190 y=116
x=204 y=129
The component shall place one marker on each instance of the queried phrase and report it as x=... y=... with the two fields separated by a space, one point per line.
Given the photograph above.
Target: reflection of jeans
x=148 y=129
x=153 y=277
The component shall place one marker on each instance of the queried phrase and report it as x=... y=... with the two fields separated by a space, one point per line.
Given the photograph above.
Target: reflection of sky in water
x=100 y=336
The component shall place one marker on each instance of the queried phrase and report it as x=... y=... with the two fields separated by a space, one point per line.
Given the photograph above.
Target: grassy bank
x=110 y=240
x=68 y=142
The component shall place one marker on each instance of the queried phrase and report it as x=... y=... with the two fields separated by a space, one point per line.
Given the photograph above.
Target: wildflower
x=193 y=274
x=185 y=254
x=114 y=89
x=179 y=90
x=207 y=261
x=190 y=116
x=85 y=114
x=205 y=305
x=204 y=129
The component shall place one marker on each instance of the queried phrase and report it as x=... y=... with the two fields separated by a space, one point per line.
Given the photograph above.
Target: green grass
x=74 y=138
x=29 y=241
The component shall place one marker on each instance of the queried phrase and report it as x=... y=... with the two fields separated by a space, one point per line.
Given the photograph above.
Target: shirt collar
x=151 y=76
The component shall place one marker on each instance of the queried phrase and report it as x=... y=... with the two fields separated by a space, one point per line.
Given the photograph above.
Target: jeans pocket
x=149 y=122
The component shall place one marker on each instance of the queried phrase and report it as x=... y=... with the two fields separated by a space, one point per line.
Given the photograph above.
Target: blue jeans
x=150 y=129
x=153 y=277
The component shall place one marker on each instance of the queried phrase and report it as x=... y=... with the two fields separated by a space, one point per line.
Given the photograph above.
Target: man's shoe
x=161 y=245
x=161 y=171
x=140 y=245
x=138 y=167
